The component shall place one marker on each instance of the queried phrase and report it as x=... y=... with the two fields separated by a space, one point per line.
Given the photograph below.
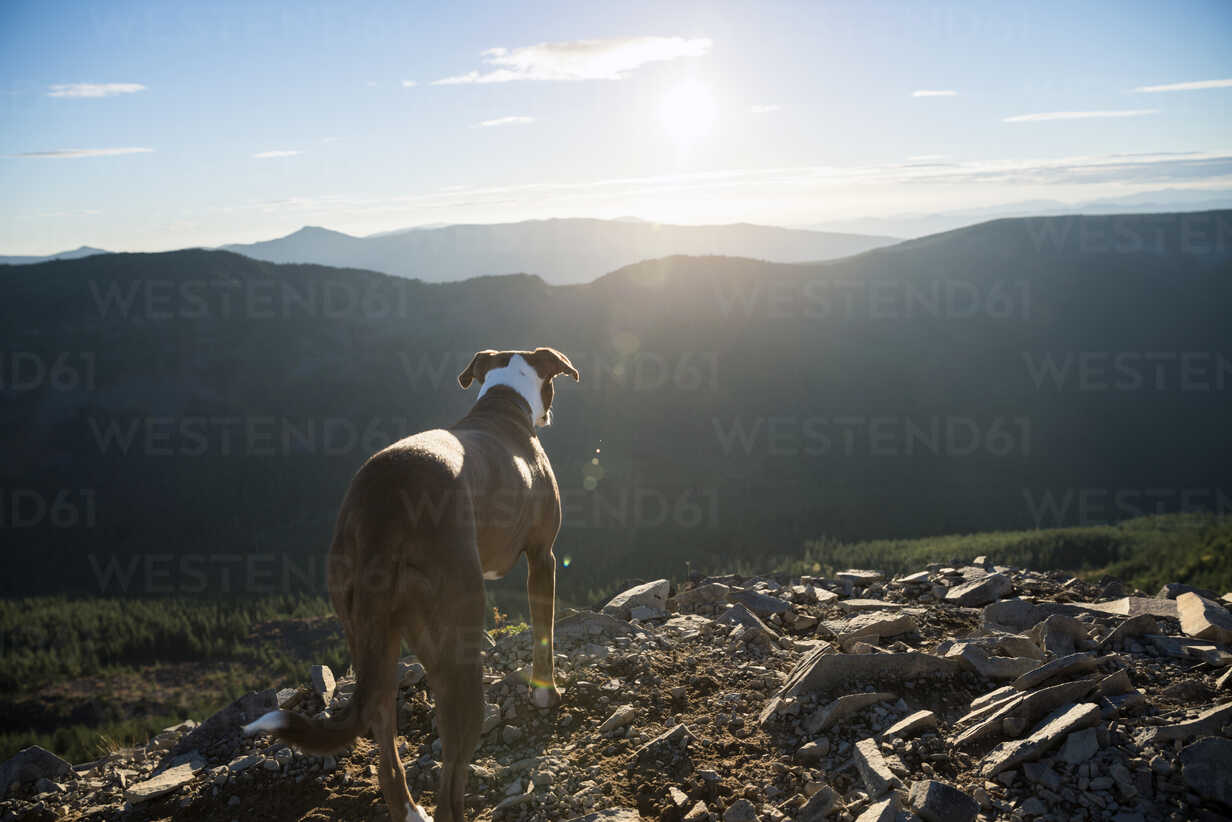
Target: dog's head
x=539 y=367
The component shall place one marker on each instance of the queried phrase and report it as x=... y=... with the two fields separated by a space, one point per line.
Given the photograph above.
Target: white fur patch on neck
x=523 y=378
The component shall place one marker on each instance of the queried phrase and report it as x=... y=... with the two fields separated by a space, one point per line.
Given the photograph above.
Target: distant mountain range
x=560 y=251
x=83 y=251
x=919 y=225
x=177 y=413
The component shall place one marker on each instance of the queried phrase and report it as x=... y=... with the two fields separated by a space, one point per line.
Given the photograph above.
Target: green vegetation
x=1145 y=552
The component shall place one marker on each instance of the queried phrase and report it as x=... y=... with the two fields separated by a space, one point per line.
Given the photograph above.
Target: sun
x=688 y=112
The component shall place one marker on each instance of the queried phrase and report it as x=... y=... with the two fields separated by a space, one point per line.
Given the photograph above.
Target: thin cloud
x=607 y=59
x=78 y=153
x=1195 y=85
x=409 y=84
x=1079 y=115
x=93 y=89
x=515 y=120
x=269 y=155
x=926 y=92
x=763 y=109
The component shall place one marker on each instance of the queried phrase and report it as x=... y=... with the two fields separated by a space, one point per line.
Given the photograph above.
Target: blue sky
x=145 y=126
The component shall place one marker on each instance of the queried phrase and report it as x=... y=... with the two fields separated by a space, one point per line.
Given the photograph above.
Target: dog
x=423 y=523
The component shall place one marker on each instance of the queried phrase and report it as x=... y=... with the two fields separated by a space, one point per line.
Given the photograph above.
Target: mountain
x=169 y=417
x=83 y=251
x=559 y=251
x=919 y=225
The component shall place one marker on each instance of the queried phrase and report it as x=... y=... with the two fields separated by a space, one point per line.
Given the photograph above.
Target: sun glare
x=688 y=112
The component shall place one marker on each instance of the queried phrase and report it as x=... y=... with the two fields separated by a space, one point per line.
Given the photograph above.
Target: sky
x=152 y=126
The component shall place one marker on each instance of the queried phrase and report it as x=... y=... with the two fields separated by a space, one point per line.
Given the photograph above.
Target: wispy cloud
x=409 y=84
x=1195 y=85
x=78 y=153
x=93 y=89
x=1079 y=115
x=765 y=109
x=506 y=121
x=269 y=155
x=927 y=92
x=607 y=59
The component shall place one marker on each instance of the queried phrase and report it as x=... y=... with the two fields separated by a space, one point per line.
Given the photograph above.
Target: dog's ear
x=550 y=363
x=480 y=364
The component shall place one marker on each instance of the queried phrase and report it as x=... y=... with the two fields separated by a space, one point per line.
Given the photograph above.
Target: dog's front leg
x=541 y=588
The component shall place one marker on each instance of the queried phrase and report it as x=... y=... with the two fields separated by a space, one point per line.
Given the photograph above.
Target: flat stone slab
x=590 y=625
x=980 y=591
x=1054 y=730
x=610 y=815
x=164 y=783
x=1209 y=721
x=870 y=626
x=852 y=606
x=998 y=668
x=884 y=811
x=825 y=671
x=910 y=726
x=651 y=594
x=761 y=604
x=1206 y=767
x=843 y=707
x=1135 y=606
x=706 y=595
x=1067 y=666
x=878 y=778
x=1204 y=619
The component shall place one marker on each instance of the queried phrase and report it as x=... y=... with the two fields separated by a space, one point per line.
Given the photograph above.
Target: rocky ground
x=949 y=694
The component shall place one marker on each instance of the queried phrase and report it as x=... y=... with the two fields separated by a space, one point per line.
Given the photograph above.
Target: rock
x=1134 y=606
x=740 y=615
x=322 y=681
x=589 y=625
x=163 y=783
x=979 y=592
x=1061 y=635
x=873 y=769
x=644 y=612
x=870 y=626
x=996 y=668
x=939 y=802
x=1204 y=618
x=1066 y=666
x=843 y=707
x=811 y=752
x=741 y=810
x=851 y=606
x=651 y=594
x=30 y=765
x=818 y=806
x=410 y=674
x=1079 y=746
x=760 y=604
x=1173 y=590
x=1175 y=726
x=1054 y=729
x=1135 y=626
x=664 y=748
x=701 y=599
x=1206 y=767
x=884 y=811
x=698 y=813
x=610 y=815
x=912 y=725
x=620 y=717
x=220 y=739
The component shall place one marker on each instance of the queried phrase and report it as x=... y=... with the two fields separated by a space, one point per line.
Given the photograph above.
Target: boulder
x=1204 y=618
x=937 y=801
x=884 y=811
x=761 y=604
x=323 y=681
x=980 y=591
x=701 y=599
x=826 y=717
x=1048 y=736
x=1206 y=767
x=877 y=776
x=870 y=627
x=650 y=594
x=30 y=765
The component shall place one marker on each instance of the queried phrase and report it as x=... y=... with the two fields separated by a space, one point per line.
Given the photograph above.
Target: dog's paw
x=545 y=697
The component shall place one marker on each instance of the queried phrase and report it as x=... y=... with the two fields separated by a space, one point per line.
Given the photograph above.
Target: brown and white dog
x=424 y=522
